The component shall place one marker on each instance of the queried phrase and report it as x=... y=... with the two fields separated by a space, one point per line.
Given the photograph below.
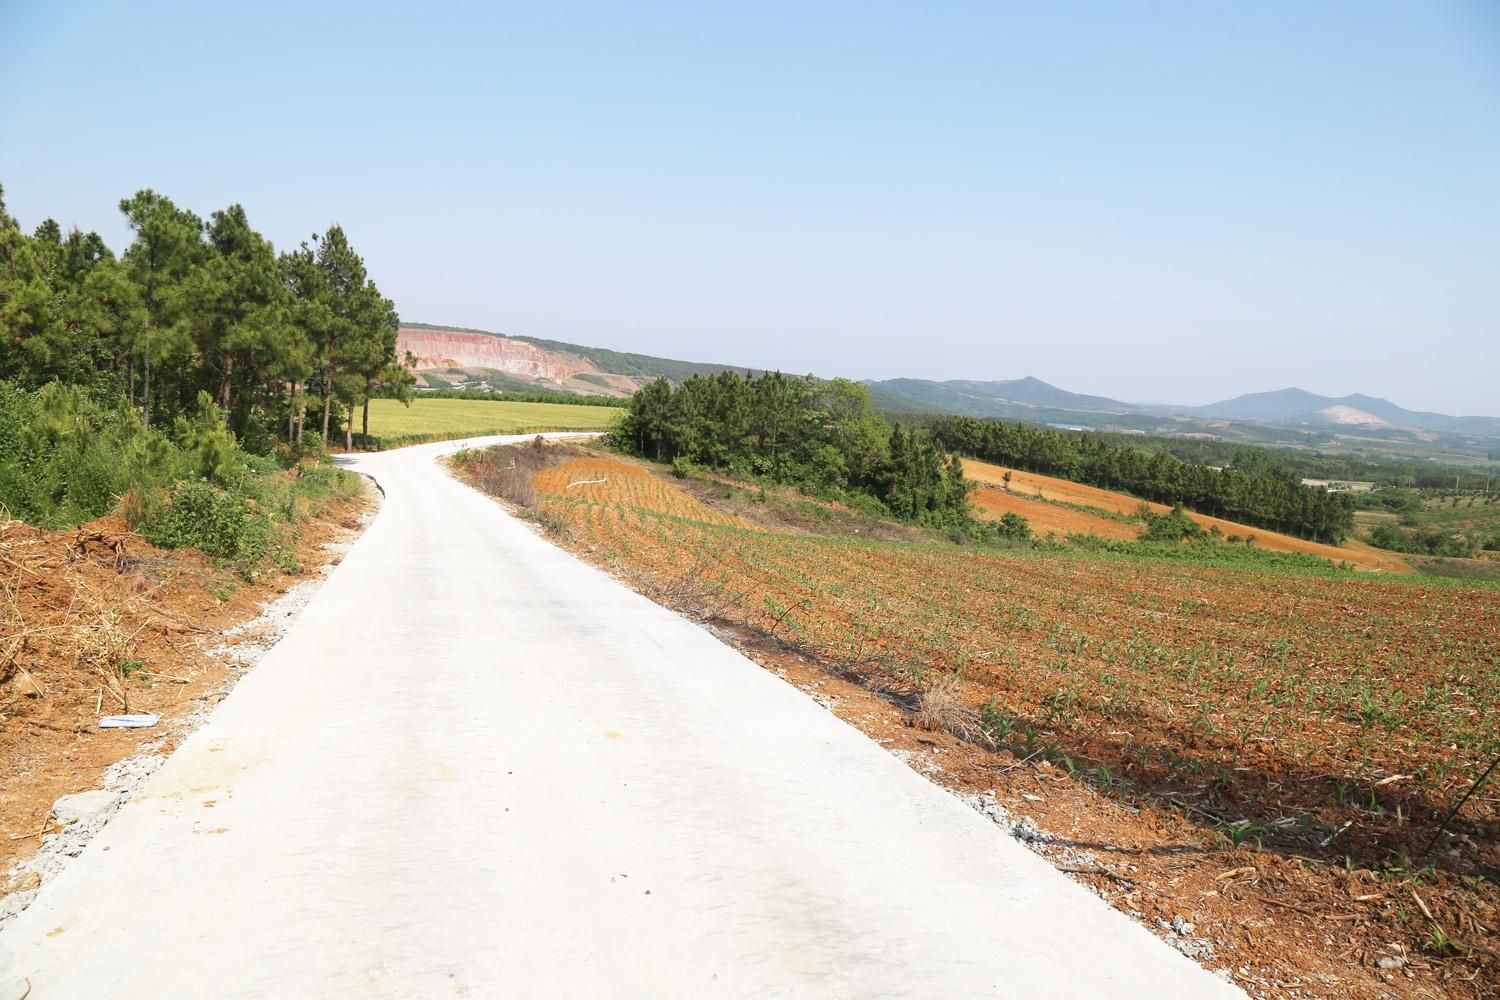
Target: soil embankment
x=97 y=622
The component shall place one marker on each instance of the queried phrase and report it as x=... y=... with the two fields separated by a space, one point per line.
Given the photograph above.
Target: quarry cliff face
x=441 y=349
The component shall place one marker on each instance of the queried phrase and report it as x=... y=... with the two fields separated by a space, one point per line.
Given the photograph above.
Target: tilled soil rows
x=1321 y=726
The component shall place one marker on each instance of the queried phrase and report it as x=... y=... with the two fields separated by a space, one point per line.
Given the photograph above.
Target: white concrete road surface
x=477 y=767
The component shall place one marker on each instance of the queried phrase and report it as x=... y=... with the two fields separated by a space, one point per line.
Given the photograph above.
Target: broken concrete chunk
x=87 y=808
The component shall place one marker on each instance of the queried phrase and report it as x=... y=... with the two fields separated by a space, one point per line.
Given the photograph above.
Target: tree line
x=196 y=306
x=1262 y=494
x=821 y=436
x=1404 y=473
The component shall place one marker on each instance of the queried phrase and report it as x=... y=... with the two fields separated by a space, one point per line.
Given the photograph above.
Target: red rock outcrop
x=438 y=349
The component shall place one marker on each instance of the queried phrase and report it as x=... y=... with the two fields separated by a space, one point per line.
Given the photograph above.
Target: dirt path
x=476 y=766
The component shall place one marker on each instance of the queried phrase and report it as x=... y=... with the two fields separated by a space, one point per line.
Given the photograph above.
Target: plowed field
x=1050 y=518
x=1284 y=693
x=1048 y=488
x=1283 y=743
x=612 y=488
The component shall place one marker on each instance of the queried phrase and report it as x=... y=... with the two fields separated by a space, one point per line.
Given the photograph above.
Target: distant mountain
x=469 y=358
x=987 y=399
x=1298 y=406
x=1292 y=410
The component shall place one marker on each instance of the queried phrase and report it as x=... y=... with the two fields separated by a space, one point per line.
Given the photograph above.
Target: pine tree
x=168 y=246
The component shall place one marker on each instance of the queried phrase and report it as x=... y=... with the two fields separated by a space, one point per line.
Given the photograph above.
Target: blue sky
x=1149 y=201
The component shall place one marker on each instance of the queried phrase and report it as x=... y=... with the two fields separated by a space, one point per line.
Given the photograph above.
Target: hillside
x=972 y=398
x=450 y=357
x=459 y=357
x=1295 y=419
x=1032 y=399
x=1057 y=505
x=1298 y=406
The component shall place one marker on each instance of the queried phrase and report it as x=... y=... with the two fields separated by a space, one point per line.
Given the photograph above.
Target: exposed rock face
x=1349 y=415
x=442 y=349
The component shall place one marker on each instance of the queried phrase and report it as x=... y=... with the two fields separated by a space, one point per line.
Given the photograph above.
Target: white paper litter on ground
x=144 y=720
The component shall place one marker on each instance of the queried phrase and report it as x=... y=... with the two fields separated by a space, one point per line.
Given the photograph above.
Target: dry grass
x=941 y=708
x=98 y=629
x=103 y=637
x=13 y=633
x=17 y=634
x=507 y=471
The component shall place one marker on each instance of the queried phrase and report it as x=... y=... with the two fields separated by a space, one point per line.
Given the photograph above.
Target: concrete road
x=477 y=767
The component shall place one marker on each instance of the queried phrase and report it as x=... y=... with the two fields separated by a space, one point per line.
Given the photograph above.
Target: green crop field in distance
x=392 y=424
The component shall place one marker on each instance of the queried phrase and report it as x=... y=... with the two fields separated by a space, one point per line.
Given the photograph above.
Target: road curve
x=477 y=767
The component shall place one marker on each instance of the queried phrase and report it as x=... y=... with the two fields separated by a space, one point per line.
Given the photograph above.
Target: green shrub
x=212 y=447
x=1014 y=526
x=1172 y=527
x=1207 y=553
x=213 y=521
x=1428 y=541
x=322 y=481
x=866 y=504
x=66 y=458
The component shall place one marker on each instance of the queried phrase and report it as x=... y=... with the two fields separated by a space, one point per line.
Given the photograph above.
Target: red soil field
x=1030 y=484
x=1048 y=518
x=1264 y=750
x=1331 y=721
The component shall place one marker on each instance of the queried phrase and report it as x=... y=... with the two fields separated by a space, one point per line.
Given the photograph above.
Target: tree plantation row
x=198 y=306
x=1265 y=496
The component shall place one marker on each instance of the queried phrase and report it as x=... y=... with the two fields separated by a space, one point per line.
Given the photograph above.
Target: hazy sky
x=1143 y=200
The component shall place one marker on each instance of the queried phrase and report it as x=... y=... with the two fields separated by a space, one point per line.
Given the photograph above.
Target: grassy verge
x=66 y=459
x=1212 y=553
x=1470 y=571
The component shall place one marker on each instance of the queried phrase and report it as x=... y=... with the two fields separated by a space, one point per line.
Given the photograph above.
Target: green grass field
x=393 y=425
